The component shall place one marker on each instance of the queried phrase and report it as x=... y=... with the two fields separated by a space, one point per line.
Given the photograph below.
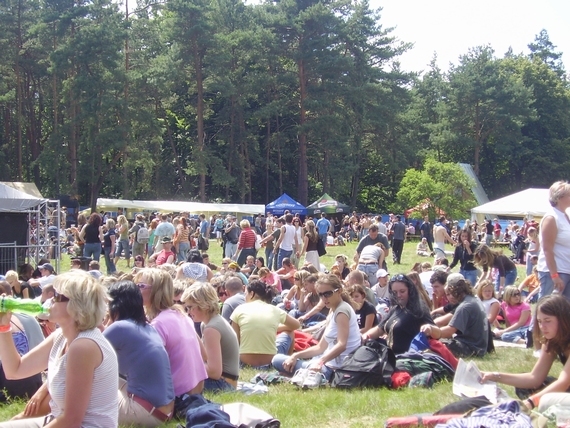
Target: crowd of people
x=131 y=347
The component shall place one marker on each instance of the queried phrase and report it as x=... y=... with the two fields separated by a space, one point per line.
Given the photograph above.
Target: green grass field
x=328 y=407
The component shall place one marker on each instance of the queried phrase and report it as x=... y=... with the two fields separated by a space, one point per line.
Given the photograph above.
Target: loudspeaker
x=14 y=229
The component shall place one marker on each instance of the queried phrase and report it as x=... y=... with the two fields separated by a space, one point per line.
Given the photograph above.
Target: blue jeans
x=515 y=335
x=212 y=385
x=510 y=278
x=109 y=261
x=92 y=250
x=279 y=359
x=269 y=258
x=182 y=253
x=470 y=275
x=283 y=342
x=323 y=238
x=231 y=249
x=547 y=285
x=369 y=270
x=123 y=245
x=281 y=255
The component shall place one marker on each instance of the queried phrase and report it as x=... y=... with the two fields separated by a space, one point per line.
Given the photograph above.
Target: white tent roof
x=529 y=202
x=178 y=206
x=12 y=199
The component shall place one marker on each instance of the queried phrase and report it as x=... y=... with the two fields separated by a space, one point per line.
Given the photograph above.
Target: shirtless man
x=440 y=235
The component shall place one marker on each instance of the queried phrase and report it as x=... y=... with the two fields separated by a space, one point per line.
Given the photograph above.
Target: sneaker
x=536 y=353
x=314 y=380
x=299 y=377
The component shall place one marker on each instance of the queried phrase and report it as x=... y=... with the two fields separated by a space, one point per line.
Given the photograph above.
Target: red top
x=246 y=239
x=163 y=257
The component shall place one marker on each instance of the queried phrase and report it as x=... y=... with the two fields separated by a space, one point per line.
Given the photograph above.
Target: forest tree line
x=216 y=100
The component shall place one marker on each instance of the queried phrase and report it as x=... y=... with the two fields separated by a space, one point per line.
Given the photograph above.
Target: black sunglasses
x=400 y=278
x=327 y=294
x=58 y=298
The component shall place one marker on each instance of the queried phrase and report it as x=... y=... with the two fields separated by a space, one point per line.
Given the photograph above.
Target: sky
x=451 y=27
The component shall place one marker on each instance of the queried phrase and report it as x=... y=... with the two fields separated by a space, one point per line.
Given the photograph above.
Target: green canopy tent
x=326 y=204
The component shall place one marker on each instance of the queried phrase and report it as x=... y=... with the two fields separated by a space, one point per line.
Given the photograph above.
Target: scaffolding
x=43 y=238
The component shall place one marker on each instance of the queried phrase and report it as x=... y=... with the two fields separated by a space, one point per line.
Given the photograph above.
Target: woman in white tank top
x=83 y=372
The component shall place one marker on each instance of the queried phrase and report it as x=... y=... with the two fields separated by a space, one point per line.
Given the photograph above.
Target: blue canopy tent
x=285 y=203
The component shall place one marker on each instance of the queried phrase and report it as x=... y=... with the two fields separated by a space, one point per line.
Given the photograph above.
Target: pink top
x=273 y=279
x=163 y=257
x=181 y=343
x=513 y=313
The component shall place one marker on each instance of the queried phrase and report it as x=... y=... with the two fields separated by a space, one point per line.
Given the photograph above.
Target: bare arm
x=211 y=339
x=549 y=232
x=535 y=378
x=290 y=324
x=316 y=309
x=83 y=356
x=16 y=367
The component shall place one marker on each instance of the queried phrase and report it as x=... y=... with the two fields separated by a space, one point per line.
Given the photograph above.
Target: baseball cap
x=46 y=266
x=165 y=240
x=381 y=273
x=454 y=278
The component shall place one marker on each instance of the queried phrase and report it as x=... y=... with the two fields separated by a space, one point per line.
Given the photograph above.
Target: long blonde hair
x=311 y=231
x=161 y=291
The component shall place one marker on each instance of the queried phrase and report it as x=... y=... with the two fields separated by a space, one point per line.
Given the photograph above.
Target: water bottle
x=22 y=306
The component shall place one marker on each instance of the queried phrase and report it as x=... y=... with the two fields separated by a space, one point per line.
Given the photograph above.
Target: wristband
x=497 y=375
x=5 y=328
x=535 y=400
x=554 y=275
x=530 y=402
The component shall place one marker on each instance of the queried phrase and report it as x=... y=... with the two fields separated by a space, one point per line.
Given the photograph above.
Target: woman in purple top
x=185 y=351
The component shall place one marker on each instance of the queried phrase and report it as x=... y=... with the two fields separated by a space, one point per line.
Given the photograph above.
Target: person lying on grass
x=551 y=330
x=340 y=338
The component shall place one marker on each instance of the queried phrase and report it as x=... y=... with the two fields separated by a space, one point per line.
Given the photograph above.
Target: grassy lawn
x=328 y=407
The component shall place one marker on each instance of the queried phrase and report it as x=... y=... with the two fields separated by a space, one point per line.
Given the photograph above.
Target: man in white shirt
x=47 y=277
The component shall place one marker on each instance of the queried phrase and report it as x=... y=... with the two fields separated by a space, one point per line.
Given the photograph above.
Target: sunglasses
x=58 y=298
x=400 y=277
x=143 y=286
x=516 y=293
x=327 y=294
x=226 y=263
x=222 y=294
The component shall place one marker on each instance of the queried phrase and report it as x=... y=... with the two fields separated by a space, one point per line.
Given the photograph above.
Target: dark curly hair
x=415 y=304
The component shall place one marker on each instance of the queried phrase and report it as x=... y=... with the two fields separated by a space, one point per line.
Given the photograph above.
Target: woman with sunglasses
x=258 y=322
x=146 y=393
x=82 y=365
x=219 y=339
x=551 y=331
x=176 y=330
x=340 y=338
x=407 y=314
x=517 y=317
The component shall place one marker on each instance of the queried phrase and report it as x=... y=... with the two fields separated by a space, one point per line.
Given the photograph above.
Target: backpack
x=370 y=365
x=142 y=235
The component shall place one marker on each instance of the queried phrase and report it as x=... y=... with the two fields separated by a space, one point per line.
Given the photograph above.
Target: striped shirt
x=246 y=239
x=103 y=408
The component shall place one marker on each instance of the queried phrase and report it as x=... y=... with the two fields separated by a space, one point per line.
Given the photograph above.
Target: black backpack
x=370 y=365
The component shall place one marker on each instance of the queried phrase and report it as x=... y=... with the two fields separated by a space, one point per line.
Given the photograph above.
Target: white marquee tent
x=529 y=202
x=104 y=204
x=19 y=197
